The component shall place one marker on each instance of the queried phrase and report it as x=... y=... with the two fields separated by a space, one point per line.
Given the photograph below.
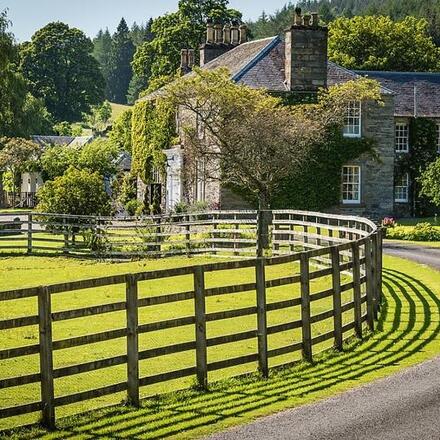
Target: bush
x=420 y=232
x=134 y=207
x=76 y=192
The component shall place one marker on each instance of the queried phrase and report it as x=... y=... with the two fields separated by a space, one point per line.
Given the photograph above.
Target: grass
x=409 y=334
x=117 y=109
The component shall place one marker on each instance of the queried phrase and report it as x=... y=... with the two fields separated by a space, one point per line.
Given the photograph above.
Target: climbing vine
x=153 y=130
x=422 y=152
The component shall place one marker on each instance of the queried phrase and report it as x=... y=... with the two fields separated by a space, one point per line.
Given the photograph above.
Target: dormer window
x=353 y=120
x=402 y=137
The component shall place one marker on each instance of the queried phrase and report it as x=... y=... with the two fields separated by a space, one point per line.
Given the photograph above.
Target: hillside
x=268 y=25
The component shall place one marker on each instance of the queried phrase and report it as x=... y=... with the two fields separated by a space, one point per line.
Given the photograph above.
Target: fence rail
x=346 y=249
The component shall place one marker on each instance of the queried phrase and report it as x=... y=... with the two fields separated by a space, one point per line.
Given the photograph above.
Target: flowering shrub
x=388 y=222
x=420 y=232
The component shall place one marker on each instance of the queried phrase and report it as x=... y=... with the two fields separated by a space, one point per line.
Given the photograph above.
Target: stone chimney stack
x=184 y=68
x=220 y=39
x=306 y=53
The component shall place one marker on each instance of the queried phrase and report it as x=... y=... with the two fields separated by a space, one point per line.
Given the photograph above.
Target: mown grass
x=31 y=271
x=412 y=221
x=408 y=333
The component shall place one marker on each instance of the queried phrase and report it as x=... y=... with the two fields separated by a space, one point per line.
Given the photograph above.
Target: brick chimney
x=220 y=39
x=306 y=53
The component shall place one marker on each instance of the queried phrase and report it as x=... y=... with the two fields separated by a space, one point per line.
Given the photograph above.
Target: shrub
x=388 y=222
x=77 y=192
x=134 y=207
x=420 y=232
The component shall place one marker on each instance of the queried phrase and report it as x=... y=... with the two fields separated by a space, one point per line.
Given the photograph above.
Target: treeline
x=115 y=55
x=268 y=25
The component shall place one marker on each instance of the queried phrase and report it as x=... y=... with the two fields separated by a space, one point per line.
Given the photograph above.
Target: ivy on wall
x=317 y=185
x=153 y=130
x=422 y=151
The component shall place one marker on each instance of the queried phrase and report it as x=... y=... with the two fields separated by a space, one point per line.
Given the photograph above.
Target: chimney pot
x=218 y=33
x=235 y=34
x=306 y=20
x=184 y=61
x=243 y=34
x=315 y=19
x=298 y=17
x=227 y=34
x=191 y=59
x=209 y=33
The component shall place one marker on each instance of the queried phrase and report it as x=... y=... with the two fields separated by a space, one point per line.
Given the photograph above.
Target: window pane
x=401 y=189
x=402 y=137
x=352 y=124
x=351 y=184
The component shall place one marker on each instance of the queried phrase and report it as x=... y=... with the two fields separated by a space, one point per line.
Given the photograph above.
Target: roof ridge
x=395 y=72
x=261 y=54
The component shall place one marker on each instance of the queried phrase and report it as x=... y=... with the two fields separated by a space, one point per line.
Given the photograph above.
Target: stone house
x=296 y=63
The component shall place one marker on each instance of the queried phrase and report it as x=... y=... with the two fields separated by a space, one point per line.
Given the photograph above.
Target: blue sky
x=91 y=15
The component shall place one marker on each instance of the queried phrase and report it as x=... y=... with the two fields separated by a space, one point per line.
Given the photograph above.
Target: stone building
x=298 y=62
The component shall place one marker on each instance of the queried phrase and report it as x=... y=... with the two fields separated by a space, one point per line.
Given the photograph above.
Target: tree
x=120 y=133
x=18 y=155
x=430 y=183
x=378 y=43
x=21 y=114
x=99 y=156
x=178 y=30
x=102 y=45
x=60 y=68
x=76 y=192
x=99 y=119
x=250 y=139
x=121 y=55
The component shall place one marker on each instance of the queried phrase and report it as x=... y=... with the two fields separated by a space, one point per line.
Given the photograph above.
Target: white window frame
x=200 y=181
x=353 y=120
x=357 y=172
x=401 y=189
x=438 y=136
x=402 y=137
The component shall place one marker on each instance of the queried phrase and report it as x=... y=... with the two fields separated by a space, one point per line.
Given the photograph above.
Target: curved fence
x=320 y=285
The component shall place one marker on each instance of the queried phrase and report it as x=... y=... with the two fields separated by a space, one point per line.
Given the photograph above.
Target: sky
x=91 y=15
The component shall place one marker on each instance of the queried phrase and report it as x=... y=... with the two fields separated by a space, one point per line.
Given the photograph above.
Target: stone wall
x=377 y=175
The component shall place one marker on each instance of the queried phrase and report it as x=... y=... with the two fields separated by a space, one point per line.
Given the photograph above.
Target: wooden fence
x=317 y=245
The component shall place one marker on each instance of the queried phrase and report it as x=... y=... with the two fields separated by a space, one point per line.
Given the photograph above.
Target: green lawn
x=409 y=334
x=32 y=271
x=117 y=109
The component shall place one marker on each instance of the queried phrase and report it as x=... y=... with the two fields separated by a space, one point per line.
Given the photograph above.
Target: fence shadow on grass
x=408 y=323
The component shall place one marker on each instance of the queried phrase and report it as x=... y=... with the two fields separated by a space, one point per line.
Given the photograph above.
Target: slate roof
x=415 y=93
x=261 y=64
x=72 y=141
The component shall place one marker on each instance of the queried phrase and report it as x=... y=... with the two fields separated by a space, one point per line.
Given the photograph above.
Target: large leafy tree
x=178 y=30
x=430 y=183
x=60 y=69
x=379 y=43
x=21 y=114
x=120 y=74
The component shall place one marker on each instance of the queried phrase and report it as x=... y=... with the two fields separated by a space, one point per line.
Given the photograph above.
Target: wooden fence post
x=380 y=236
x=29 y=234
x=260 y=277
x=374 y=261
x=357 y=289
x=132 y=340
x=187 y=235
x=158 y=236
x=337 y=302
x=65 y=235
x=305 y=308
x=46 y=358
x=370 y=284
x=200 y=310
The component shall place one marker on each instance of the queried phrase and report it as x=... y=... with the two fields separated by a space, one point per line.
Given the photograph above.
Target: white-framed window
x=402 y=137
x=351 y=184
x=401 y=189
x=438 y=136
x=200 y=181
x=353 y=120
